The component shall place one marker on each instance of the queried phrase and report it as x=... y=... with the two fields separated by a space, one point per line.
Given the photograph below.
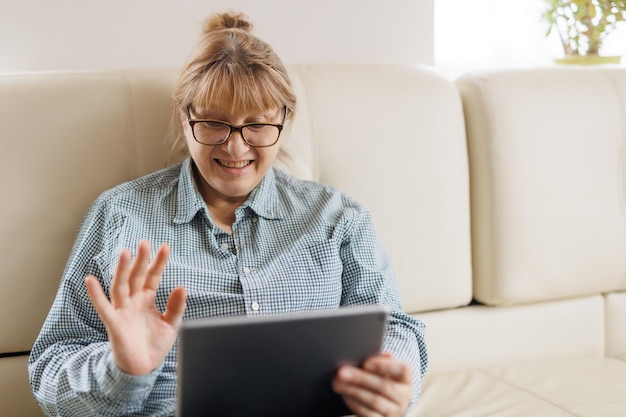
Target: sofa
x=500 y=197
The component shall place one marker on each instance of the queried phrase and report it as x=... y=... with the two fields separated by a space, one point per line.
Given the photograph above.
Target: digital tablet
x=276 y=365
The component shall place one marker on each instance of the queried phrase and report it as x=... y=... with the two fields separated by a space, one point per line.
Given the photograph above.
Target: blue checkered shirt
x=295 y=246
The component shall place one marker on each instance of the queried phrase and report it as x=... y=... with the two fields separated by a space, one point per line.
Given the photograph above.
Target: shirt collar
x=263 y=200
x=189 y=199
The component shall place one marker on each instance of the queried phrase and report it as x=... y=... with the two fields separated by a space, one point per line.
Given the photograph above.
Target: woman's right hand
x=139 y=335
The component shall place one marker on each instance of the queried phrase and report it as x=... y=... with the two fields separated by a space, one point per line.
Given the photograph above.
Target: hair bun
x=227 y=21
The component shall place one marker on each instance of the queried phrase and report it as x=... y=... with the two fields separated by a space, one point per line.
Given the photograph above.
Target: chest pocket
x=211 y=291
x=306 y=278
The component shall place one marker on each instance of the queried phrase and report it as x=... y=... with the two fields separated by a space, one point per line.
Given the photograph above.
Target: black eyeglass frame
x=233 y=128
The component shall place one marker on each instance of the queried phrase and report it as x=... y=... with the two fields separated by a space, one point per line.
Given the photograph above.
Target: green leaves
x=582 y=25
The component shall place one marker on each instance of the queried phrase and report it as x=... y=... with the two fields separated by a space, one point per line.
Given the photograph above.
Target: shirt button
x=255 y=219
x=255 y=306
x=224 y=246
x=246 y=271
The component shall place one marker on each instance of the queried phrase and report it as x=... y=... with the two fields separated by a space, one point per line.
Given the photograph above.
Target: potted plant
x=583 y=25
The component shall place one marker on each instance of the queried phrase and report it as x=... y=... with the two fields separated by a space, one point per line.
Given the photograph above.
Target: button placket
x=242 y=230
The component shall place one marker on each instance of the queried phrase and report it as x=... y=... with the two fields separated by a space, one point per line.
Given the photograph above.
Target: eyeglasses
x=215 y=132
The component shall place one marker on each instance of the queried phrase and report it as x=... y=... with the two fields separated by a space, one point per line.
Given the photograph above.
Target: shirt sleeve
x=71 y=367
x=368 y=278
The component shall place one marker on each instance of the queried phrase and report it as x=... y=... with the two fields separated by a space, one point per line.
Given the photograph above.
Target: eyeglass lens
x=213 y=133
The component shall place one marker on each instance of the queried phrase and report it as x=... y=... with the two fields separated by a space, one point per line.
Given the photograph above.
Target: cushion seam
x=511 y=384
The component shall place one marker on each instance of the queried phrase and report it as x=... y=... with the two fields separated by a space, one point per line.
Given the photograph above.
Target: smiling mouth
x=235 y=164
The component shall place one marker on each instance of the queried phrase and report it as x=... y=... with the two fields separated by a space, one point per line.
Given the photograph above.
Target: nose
x=235 y=145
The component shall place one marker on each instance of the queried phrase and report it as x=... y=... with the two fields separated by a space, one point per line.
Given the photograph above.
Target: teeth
x=237 y=164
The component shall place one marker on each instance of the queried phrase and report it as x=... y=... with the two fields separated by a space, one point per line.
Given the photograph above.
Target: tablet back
x=279 y=365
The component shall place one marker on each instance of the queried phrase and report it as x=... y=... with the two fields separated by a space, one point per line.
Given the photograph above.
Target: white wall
x=82 y=34
x=480 y=34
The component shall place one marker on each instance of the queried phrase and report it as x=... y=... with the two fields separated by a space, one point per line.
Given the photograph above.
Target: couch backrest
x=393 y=137
x=547 y=152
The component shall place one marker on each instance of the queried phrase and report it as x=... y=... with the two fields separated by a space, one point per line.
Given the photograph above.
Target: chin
x=236 y=193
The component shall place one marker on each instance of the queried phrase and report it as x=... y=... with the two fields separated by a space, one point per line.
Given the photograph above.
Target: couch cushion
x=548 y=172
x=16 y=399
x=478 y=394
x=149 y=106
x=66 y=139
x=570 y=386
x=297 y=140
x=480 y=336
x=393 y=138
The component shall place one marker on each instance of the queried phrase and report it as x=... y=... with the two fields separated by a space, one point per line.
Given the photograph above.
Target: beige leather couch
x=501 y=198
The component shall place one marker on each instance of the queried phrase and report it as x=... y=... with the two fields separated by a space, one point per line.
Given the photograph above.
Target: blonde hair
x=231 y=64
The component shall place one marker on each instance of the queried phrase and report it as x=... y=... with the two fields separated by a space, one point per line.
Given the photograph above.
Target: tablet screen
x=276 y=365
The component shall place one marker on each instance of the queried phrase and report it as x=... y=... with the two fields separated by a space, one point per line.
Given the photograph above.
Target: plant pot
x=588 y=60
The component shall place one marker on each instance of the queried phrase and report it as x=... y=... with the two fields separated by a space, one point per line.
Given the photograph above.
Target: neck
x=222 y=208
x=223 y=215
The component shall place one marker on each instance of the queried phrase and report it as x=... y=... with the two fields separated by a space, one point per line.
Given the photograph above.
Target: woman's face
x=230 y=171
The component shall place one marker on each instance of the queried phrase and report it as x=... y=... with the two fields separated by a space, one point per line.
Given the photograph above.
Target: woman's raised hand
x=139 y=334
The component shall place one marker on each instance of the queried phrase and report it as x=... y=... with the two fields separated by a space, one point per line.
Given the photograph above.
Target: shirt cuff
x=119 y=385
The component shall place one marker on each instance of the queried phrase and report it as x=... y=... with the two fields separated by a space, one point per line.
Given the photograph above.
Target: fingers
x=156 y=268
x=175 y=306
x=382 y=387
x=386 y=366
x=361 y=410
x=139 y=267
x=142 y=274
x=98 y=298
x=119 y=283
x=370 y=384
x=366 y=404
x=139 y=335
x=139 y=274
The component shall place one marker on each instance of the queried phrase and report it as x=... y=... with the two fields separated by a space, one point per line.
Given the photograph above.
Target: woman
x=239 y=237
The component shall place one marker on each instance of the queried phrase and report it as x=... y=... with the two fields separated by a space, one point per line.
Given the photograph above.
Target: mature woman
x=236 y=237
